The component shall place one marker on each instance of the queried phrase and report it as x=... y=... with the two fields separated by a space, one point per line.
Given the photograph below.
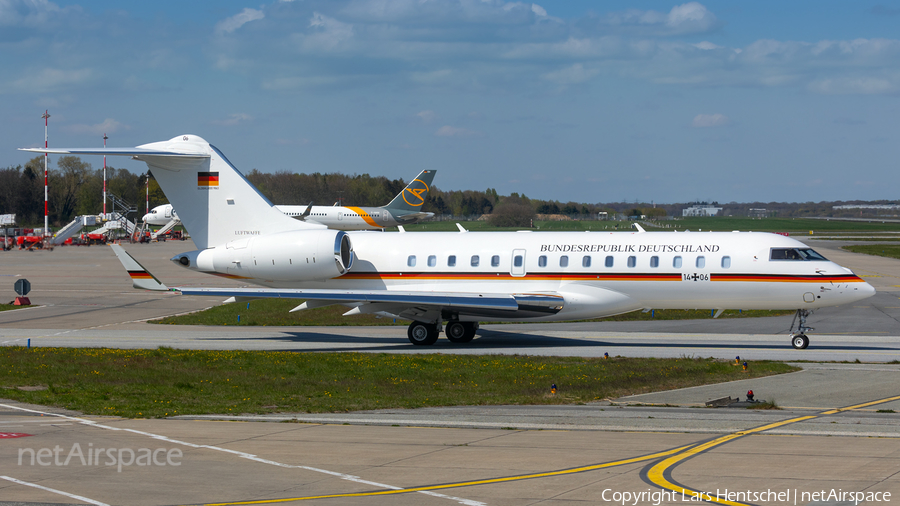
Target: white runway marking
x=60 y=492
x=240 y=454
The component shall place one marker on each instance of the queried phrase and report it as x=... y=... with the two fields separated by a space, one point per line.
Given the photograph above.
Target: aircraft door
x=517 y=266
x=340 y=216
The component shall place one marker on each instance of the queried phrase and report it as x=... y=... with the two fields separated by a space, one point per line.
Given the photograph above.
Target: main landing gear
x=799 y=340
x=423 y=334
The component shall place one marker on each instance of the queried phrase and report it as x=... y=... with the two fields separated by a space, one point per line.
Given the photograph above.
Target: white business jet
x=462 y=277
x=405 y=209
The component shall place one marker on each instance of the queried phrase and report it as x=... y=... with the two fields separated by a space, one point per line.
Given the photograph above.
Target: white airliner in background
x=403 y=210
x=462 y=278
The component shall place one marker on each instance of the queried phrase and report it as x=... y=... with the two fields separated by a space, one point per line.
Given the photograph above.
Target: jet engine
x=298 y=255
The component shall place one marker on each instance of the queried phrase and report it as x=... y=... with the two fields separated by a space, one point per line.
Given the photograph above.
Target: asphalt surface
x=838 y=430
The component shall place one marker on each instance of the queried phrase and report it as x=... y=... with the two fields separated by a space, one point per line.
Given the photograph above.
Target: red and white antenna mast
x=104 y=176
x=46 y=116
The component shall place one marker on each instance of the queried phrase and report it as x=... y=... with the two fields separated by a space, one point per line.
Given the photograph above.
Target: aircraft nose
x=865 y=291
x=146 y=217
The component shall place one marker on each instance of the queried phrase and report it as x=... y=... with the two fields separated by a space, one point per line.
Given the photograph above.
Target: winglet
x=639 y=228
x=460 y=227
x=140 y=277
x=305 y=214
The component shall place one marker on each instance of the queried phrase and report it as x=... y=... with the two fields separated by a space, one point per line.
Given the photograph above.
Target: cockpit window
x=800 y=254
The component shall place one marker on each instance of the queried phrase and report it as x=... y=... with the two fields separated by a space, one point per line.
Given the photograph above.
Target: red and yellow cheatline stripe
x=788 y=278
x=365 y=216
x=140 y=275
x=487 y=276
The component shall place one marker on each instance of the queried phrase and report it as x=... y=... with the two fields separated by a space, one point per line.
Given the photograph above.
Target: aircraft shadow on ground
x=498 y=340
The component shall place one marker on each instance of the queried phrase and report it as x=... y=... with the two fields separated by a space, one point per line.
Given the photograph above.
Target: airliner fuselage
x=594 y=274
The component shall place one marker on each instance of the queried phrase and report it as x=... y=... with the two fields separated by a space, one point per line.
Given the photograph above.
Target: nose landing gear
x=799 y=340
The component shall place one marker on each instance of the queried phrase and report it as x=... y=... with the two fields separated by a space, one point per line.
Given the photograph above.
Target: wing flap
x=448 y=300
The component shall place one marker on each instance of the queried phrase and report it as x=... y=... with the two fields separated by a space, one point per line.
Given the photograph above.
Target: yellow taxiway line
x=656 y=474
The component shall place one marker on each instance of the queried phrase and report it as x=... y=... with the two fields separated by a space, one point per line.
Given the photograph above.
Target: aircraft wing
x=116 y=152
x=414 y=216
x=411 y=305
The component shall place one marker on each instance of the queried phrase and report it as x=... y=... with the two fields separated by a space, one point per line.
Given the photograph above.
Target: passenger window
x=411 y=261
x=432 y=260
x=726 y=262
x=475 y=260
x=564 y=261
x=542 y=261
x=654 y=261
x=632 y=261
x=586 y=261
x=517 y=261
x=451 y=261
x=495 y=261
x=701 y=262
x=609 y=261
x=676 y=262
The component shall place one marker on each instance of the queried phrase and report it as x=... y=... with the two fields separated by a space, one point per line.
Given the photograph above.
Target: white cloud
x=710 y=120
x=26 y=12
x=707 y=46
x=690 y=17
x=576 y=74
x=51 y=79
x=538 y=10
x=327 y=34
x=108 y=126
x=231 y=24
x=233 y=119
x=427 y=117
x=450 y=131
x=855 y=86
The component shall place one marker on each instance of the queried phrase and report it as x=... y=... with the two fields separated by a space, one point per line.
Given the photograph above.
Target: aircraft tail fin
x=413 y=196
x=215 y=202
x=140 y=277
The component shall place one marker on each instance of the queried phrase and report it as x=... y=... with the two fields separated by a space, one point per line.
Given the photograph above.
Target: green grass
x=167 y=382
x=795 y=226
x=765 y=405
x=882 y=250
x=275 y=312
x=10 y=307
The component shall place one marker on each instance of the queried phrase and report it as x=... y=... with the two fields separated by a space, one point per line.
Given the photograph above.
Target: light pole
x=104 y=176
x=46 y=116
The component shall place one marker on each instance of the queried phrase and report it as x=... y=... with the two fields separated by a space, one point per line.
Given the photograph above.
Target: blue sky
x=577 y=100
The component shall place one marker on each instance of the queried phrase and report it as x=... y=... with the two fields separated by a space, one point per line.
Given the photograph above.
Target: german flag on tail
x=208 y=179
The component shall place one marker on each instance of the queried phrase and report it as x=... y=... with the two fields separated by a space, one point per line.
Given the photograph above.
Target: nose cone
x=864 y=291
x=146 y=217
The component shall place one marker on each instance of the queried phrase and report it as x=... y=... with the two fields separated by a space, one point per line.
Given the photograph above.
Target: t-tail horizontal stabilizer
x=140 y=277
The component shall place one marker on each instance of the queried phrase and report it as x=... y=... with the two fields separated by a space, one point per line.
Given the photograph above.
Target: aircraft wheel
x=422 y=333
x=460 y=332
x=800 y=342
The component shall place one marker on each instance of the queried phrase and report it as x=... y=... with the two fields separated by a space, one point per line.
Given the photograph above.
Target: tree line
x=76 y=188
